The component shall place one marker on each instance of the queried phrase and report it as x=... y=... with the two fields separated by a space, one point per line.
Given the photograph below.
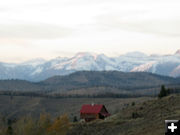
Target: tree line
x=59 y=95
x=28 y=125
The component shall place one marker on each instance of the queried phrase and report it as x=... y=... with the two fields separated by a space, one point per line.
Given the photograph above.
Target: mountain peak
x=84 y=54
x=81 y=54
x=178 y=52
x=135 y=54
x=34 y=62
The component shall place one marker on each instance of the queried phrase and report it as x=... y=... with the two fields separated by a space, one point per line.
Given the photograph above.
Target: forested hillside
x=95 y=82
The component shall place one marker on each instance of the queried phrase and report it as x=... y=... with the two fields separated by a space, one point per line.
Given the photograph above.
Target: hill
x=135 y=116
x=146 y=118
x=94 y=82
x=20 y=106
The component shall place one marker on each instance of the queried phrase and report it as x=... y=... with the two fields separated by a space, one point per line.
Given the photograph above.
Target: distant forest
x=92 y=84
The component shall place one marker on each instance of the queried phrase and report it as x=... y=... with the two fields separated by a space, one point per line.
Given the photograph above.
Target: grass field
x=18 y=106
x=147 y=118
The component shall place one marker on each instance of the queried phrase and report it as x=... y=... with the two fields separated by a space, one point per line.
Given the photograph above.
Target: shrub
x=133 y=103
x=135 y=115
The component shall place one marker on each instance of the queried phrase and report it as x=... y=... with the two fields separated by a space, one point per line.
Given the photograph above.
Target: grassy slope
x=149 y=122
x=21 y=105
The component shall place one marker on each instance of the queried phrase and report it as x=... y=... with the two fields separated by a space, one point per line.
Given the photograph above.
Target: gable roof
x=91 y=108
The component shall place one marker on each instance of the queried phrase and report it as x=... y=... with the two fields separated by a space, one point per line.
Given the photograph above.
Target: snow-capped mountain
x=178 y=52
x=39 y=69
x=34 y=62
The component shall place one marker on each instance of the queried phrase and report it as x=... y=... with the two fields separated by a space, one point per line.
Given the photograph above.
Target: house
x=91 y=112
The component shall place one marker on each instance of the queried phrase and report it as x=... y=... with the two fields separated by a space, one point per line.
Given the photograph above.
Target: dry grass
x=20 y=105
x=149 y=120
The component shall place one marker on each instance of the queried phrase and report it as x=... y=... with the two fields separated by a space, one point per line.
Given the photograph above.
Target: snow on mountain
x=162 y=65
x=144 y=67
x=9 y=65
x=81 y=61
x=39 y=69
x=178 y=52
x=176 y=72
x=135 y=54
x=34 y=62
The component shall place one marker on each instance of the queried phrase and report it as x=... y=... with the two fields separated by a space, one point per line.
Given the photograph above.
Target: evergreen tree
x=9 y=130
x=163 y=92
x=75 y=119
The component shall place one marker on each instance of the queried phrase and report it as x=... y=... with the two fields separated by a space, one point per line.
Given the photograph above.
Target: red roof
x=91 y=108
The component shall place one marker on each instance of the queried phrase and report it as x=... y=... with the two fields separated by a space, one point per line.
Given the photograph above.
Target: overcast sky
x=52 y=28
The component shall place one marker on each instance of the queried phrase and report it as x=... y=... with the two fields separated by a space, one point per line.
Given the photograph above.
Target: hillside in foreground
x=142 y=119
x=19 y=106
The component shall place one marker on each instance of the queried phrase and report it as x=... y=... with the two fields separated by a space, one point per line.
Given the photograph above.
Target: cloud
x=33 y=31
x=158 y=27
x=48 y=28
x=159 y=18
x=14 y=41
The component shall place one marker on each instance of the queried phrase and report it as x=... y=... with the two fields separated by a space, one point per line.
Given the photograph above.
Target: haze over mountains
x=39 y=69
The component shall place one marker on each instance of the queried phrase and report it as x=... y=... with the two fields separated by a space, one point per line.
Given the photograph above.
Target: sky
x=52 y=28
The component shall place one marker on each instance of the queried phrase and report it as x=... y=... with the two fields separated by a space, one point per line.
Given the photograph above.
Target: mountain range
x=40 y=69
